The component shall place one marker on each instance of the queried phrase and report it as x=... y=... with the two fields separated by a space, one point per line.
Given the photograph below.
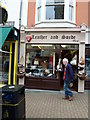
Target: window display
x=42 y=60
x=87 y=61
x=4 y=62
x=88 y=68
x=45 y=61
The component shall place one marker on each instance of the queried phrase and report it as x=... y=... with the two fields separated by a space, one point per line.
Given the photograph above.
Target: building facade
x=54 y=31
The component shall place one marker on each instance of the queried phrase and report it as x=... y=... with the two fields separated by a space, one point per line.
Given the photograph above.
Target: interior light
x=39 y=47
x=63 y=46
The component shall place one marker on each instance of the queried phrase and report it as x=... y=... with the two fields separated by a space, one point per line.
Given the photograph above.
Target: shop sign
x=67 y=37
x=28 y=38
x=39 y=37
x=55 y=37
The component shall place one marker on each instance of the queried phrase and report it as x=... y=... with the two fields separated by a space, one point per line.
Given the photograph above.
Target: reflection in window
x=70 y=12
x=39 y=10
x=55 y=9
x=88 y=67
x=87 y=61
x=57 y=12
x=4 y=62
x=42 y=61
x=39 y=13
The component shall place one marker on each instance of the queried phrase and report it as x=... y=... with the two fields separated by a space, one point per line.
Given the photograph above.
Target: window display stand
x=21 y=74
x=81 y=73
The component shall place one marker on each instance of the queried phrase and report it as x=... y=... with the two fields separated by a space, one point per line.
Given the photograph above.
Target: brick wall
x=31 y=13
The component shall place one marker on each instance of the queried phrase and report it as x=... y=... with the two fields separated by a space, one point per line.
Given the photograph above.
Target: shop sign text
x=63 y=37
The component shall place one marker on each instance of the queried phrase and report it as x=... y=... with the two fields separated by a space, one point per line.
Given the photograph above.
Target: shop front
x=42 y=51
x=12 y=100
x=8 y=55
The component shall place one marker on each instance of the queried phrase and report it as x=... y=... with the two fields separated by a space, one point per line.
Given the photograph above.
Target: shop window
x=87 y=61
x=42 y=61
x=57 y=8
x=4 y=62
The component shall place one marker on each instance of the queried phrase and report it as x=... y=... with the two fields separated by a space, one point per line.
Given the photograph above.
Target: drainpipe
x=20 y=15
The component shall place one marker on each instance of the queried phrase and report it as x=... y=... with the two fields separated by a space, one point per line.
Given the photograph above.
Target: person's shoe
x=65 y=98
x=70 y=98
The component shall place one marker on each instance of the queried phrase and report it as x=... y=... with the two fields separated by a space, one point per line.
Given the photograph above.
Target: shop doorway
x=71 y=52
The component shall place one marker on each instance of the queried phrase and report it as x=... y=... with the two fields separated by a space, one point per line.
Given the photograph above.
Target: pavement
x=49 y=104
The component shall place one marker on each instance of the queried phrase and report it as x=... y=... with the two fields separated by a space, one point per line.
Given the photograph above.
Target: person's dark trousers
x=68 y=92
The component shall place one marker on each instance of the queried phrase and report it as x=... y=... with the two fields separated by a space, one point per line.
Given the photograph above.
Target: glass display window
x=87 y=61
x=4 y=62
x=42 y=60
x=46 y=60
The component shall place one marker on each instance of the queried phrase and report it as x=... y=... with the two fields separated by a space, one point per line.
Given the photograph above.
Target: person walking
x=67 y=77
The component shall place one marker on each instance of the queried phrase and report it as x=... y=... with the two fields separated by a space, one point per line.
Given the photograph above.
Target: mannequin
x=51 y=61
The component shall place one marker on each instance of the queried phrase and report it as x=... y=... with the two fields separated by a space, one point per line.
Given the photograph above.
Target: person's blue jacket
x=69 y=73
